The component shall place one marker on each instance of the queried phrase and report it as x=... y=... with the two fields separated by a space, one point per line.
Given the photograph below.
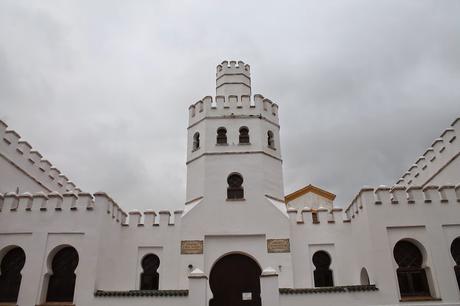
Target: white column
x=197 y=288
x=269 y=290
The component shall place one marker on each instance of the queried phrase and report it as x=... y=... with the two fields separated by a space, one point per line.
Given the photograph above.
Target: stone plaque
x=278 y=246
x=191 y=247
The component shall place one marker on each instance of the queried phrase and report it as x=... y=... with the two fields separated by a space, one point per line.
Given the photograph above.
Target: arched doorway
x=235 y=281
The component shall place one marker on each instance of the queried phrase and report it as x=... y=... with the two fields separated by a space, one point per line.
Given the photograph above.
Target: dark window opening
x=364 y=277
x=10 y=275
x=150 y=276
x=322 y=273
x=270 y=139
x=196 y=141
x=61 y=285
x=235 y=189
x=455 y=251
x=314 y=217
x=244 y=135
x=412 y=278
x=221 y=136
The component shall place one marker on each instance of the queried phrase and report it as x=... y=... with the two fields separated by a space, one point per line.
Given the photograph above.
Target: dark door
x=235 y=281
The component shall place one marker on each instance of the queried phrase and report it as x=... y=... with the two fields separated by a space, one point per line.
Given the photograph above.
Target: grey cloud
x=102 y=88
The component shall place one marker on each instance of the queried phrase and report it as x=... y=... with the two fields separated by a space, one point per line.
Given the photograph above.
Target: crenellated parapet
x=400 y=196
x=442 y=151
x=233 y=78
x=30 y=162
x=233 y=106
x=150 y=218
x=27 y=204
x=320 y=216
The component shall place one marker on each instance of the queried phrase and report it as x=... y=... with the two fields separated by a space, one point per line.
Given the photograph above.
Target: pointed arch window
x=412 y=278
x=10 y=275
x=322 y=273
x=235 y=188
x=270 y=140
x=244 y=135
x=149 y=276
x=196 y=141
x=61 y=285
x=221 y=135
x=364 y=277
x=455 y=251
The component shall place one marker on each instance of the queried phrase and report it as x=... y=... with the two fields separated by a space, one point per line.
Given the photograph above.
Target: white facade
x=280 y=234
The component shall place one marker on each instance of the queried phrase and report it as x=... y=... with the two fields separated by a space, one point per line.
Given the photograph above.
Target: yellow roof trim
x=307 y=189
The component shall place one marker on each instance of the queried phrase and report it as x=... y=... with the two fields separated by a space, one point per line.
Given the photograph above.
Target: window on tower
x=244 y=135
x=196 y=141
x=235 y=190
x=221 y=135
x=270 y=140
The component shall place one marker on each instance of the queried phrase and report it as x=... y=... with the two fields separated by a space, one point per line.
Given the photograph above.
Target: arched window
x=196 y=141
x=322 y=273
x=222 y=135
x=244 y=135
x=411 y=276
x=235 y=188
x=150 y=276
x=10 y=275
x=270 y=139
x=364 y=277
x=61 y=284
x=455 y=251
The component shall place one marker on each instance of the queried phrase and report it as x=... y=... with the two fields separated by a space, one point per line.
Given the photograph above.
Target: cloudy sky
x=101 y=88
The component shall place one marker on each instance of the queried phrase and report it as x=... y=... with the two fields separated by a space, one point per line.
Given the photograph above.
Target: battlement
x=314 y=216
x=400 y=195
x=233 y=78
x=228 y=106
x=43 y=203
x=150 y=218
x=442 y=151
x=70 y=201
x=233 y=67
x=20 y=154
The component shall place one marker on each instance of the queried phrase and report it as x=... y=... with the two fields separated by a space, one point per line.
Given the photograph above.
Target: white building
x=238 y=240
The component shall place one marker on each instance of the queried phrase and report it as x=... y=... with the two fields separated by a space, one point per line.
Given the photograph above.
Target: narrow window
x=364 y=277
x=196 y=141
x=314 y=217
x=412 y=278
x=10 y=275
x=322 y=273
x=61 y=285
x=150 y=276
x=244 y=135
x=455 y=251
x=235 y=187
x=221 y=136
x=270 y=140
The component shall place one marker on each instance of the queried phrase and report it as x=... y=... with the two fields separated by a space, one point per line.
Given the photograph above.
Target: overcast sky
x=101 y=88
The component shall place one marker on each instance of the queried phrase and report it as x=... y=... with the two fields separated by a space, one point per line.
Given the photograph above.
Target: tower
x=233 y=151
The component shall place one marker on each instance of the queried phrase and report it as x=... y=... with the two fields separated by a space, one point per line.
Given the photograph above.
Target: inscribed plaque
x=191 y=247
x=278 y=246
